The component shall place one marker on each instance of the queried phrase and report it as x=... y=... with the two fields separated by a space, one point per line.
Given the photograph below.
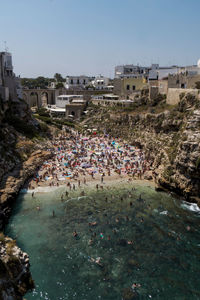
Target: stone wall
x=173 y=95
x=183 y=80
x=74 y=110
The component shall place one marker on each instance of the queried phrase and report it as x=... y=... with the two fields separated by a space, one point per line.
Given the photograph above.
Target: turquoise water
x=164 y=257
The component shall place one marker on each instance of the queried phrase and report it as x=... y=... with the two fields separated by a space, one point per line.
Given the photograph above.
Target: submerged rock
x=129 y=294
x=133 y=263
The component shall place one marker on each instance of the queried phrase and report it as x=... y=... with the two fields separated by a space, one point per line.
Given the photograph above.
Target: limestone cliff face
x=23 y=148
x=170 y=139
x=22 y=151
x=15 y=277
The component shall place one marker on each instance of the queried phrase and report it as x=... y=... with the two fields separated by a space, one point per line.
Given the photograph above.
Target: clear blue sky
x=74 y=37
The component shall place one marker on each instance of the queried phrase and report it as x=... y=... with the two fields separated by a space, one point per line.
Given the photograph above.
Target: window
x=83 y=81
x=128 y=87
x=177 y=81
x=72 y=81
x=78 y=81
x=133 y=87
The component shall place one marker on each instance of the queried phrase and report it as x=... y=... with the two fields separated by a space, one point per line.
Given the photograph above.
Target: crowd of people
x=78 y=159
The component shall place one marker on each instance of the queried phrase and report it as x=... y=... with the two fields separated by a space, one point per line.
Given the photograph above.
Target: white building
x=106 y=97
x=159 y=73
x=101 y=82
x=63 y=100
x=77 y=82
x=129 y=71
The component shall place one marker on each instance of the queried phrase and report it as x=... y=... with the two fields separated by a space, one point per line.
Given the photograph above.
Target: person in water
x=130 y=242
x=75 y=234
x=135 y=285
x=90 y=242
x=92 y=223
x=53 y=213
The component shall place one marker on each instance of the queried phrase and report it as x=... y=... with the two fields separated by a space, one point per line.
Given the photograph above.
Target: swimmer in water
x=101 y=235
x=90 y=242
x=130 y=242
x=75 y=234
x=53 y=213
x=92 y=223
x=135 y=285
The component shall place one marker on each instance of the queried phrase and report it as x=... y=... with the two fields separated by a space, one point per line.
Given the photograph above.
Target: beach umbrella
x=86 y=165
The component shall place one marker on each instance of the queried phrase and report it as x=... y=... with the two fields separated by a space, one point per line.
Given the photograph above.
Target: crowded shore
x=79 y=160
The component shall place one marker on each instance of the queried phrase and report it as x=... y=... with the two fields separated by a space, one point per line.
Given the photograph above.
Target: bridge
x=40 y=97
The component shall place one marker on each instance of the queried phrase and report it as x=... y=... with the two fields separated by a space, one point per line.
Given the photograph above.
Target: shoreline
x=91 y=184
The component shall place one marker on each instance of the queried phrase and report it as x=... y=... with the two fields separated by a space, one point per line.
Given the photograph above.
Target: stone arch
x=44 y=98
x=34 y=99
x=25 y=98
x=73 y=113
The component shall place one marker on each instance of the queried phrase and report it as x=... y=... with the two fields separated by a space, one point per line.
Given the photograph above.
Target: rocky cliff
x=15 y=277
x=169 y=135
x=23 y=148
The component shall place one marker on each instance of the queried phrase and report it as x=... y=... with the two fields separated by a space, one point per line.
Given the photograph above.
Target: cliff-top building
x=10 y=87
x=77 y=82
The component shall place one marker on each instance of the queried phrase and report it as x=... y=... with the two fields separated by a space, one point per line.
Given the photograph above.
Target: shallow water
x=164 y=257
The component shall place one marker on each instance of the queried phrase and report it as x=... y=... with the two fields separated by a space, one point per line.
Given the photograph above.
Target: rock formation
x=169 y=135
x=23 y=148
x=15 y=277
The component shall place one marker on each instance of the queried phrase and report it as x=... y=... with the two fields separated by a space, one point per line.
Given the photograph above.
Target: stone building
x=131 y=71
x=183 y=80
x=75 y=109
x=126 y=88
x=157 y=87
x=8 y=85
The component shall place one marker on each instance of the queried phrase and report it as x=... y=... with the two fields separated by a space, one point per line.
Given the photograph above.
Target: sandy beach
x=86 y=161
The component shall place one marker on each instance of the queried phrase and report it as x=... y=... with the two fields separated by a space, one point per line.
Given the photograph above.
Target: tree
x=58 y=77
x=59 y=85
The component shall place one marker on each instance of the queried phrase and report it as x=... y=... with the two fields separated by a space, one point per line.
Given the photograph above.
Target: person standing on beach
x=102 y=178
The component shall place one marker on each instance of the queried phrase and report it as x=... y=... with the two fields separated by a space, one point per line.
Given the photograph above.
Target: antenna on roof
x=6 y=48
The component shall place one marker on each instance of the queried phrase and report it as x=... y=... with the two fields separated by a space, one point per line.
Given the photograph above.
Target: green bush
x=43 y=112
